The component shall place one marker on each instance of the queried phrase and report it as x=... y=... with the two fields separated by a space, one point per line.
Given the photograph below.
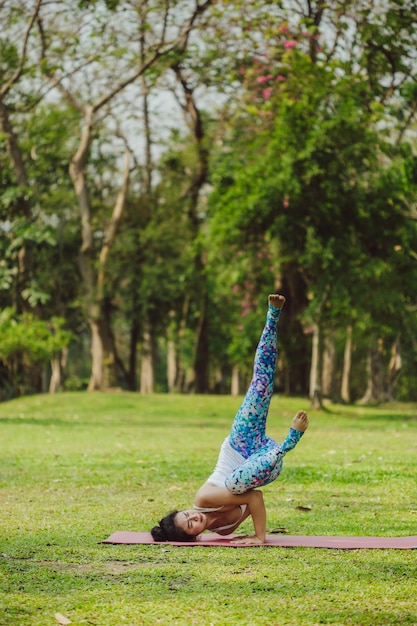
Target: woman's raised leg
x=248 y=429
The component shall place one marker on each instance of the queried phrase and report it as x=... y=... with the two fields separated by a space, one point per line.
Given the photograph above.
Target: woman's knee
x=236 y=487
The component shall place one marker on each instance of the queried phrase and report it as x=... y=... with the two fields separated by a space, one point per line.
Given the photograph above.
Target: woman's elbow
x=257 y=496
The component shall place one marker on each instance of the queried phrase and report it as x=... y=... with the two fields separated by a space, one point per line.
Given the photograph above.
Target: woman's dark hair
x=168 y=531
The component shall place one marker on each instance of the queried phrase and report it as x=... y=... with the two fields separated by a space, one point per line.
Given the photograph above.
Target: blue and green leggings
x=263 y=455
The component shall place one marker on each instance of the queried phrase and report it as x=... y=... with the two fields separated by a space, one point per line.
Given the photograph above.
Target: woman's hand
x=248 y=540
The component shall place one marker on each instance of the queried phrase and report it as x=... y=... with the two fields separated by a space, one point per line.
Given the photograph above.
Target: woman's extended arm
x=258 y=513
x=209 y=495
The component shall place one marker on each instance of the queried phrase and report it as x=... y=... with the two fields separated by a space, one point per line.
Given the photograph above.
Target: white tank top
x=227 y=461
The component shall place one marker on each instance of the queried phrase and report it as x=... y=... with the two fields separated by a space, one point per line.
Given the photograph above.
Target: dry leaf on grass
x=303 y=508
x=62 y=620
x=278 y=531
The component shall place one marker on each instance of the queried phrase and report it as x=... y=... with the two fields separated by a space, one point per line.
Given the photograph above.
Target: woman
x=247 y=459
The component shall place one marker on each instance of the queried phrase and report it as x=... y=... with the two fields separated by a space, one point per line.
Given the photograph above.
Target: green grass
x=76 y=467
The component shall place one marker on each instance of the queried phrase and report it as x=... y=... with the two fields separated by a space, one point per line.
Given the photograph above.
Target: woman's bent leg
x=248 y=429
x=262 y=467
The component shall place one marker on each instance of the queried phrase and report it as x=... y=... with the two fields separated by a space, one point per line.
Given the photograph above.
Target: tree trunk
x=329 y=367
x=202 y=354
x=55 y=380
x=103 y=354
x=104 y=372
x=133 y=359
x=315 y=392
x=374 y=368
x=315 y=371
x=347 y=363
x=147 y=379
x=97 y=358
x=295 y=343
x=180 y=381
x=198 y=379
x=394 y=369
x=171 y=365
x=235 y=387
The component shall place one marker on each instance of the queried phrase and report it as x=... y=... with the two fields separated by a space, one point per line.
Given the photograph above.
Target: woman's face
x=191 y=522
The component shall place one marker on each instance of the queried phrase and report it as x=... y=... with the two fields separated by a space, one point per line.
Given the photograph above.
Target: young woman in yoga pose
x=247 y=458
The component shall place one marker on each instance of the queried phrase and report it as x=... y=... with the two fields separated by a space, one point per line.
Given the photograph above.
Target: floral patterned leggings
x=263 y=455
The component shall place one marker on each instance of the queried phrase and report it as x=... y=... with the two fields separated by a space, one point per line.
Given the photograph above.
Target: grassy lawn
x=76 y=467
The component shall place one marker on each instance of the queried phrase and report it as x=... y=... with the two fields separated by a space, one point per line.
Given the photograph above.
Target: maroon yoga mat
x=283 y=541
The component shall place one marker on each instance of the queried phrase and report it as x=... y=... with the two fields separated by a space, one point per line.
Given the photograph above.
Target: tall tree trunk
x=171 y=365
x=102 y=345
x=58 y=366
x=147 y=378
x=199 y=377
x=375 y=379
x=55 y=380
x=180 y=382
x=235 y=387
x=133 y=355
x=394 y=369
x=294 y=341
x=315 y=392
x=347 y=363
x=202 y=354
x=97 y=357
x=105 y=363
x=329 y=367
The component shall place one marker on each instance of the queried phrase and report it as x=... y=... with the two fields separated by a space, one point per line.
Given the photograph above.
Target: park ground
x=76 y=467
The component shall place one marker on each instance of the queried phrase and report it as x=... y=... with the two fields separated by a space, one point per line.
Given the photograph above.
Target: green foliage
x=304 y=162
x=9 y=58
x=307 y=111
x=110 y=4
x=33 y=339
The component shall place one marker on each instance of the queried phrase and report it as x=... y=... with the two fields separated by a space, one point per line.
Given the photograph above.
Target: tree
x=316 y=173
x=294 y=170
x=15 y=64
x=28 y=342
x=30 y=187
x=84 y=65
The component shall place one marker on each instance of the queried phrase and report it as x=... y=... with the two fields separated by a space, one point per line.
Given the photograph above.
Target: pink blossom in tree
x=266 y=94
x=264 y=79
x=290 y=44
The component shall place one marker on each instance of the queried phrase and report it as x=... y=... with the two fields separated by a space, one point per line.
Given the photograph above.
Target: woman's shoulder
x=209 y=495
x=207 y=492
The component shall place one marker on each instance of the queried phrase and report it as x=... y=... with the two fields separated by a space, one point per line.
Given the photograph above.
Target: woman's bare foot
x=300 y=421
x=276 y=300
